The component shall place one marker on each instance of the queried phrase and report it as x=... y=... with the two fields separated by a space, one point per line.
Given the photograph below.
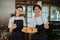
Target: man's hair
x=36 y=6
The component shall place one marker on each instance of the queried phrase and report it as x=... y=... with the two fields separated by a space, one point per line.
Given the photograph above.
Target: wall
x=6 y=8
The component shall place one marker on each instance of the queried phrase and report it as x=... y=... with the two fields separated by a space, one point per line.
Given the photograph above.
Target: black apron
x=17 y=34
x=41 y=34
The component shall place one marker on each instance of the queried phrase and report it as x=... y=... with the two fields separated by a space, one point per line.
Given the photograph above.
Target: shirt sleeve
x=24 y=22
x=10 y=22
x=32 y=23
x=45 y=19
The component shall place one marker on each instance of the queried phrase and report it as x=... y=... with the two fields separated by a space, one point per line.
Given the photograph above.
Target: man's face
x=37 y=10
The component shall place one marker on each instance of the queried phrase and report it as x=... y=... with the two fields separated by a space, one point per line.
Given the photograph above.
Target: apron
x=17 y=34
x=41 y=34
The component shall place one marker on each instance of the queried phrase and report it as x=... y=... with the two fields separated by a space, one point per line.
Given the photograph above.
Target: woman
x=16 y=23
x=40 y=22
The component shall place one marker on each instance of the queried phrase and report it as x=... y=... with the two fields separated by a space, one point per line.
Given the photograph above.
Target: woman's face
x=19 y=11
x=37 y=10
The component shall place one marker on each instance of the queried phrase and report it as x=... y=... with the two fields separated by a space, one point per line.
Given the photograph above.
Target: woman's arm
x=10 y=29
x=13 y=27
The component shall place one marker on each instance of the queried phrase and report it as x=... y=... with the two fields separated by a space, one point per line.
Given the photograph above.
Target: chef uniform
x=20 y=22
x=38 y=22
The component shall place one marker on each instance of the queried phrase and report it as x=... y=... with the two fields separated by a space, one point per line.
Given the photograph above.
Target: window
x=29 y=14
x=24 y=9
x=55 y=15
x=45 y=11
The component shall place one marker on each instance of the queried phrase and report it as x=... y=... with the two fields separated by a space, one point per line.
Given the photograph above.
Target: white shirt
x=11 y=20
x=38 y=21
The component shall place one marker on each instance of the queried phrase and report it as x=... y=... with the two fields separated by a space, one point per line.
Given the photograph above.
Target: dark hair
x=19 y=7
x=36 y=6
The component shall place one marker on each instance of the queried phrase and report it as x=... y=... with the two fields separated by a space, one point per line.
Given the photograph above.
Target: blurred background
x=50 y=8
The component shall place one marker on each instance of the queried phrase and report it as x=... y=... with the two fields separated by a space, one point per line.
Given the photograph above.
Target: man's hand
x=46 y=26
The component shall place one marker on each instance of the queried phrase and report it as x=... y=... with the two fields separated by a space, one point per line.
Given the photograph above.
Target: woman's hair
x=36 y=6
x=17 y=8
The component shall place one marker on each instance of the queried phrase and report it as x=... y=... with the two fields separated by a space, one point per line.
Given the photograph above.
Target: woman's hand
x=14 y=26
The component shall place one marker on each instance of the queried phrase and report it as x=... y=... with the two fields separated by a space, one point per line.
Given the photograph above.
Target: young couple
x=17 y=22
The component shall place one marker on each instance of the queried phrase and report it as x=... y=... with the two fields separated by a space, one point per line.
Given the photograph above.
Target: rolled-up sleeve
x=32 y=23
x=24 y=22
x=10 y=22
x=45 y=20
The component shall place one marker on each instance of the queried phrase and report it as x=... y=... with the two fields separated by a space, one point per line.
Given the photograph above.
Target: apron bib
x=41 y=34
x=17 y=34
